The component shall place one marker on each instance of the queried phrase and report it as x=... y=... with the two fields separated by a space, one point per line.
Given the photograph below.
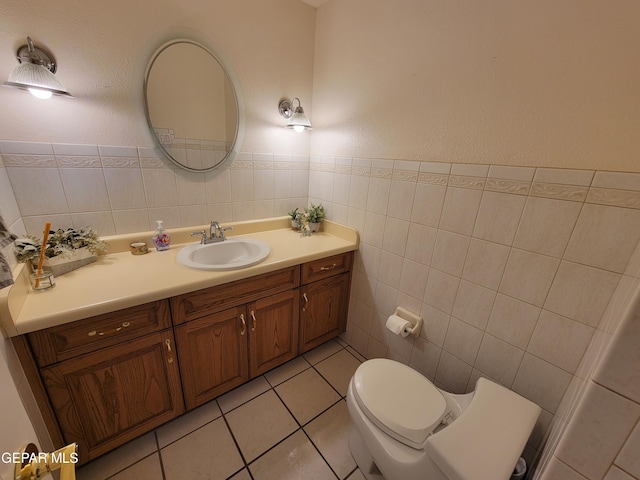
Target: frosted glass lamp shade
x=36 y=73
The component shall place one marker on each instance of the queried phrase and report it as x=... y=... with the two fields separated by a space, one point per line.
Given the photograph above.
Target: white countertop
x=119 y=280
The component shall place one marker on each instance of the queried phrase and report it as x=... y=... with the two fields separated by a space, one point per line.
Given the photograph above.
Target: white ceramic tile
x=602 y=423
x=541 y=382
x=581 y=292
x=187 y=423
x=618 y=180
x=218 y=186
x=8 y=205
x=435 y=167
x=460 y=210
x=427 y=204
x=160 y=187
x=564 y=176
x=450 y=252
x=546 y=225
x=193 y=454
x=421 y=241
x=358 y=192
x=286 y=371
x=528 y=276
x=615 y=473
x=556 y=470
x=560 y=340
x=628 y=458
x=129 y=221
x=115 y=151
x=190 y=188
x=435 y=324
x=259 y=424
x=413 y=279
x=378 y=195
x=401 y=196
x=330 y=434
x=498 y=359
x=338 y=370
x=118 y=459
x=441 y=290
x=473 y=304
x=242 y=394
x=125 y=188
x=453 y=373
x=38 y=191
x=169 y=215
x=463 y=340
x=374 y=227
x=193 y=215
x=25 y=148
x=385 y=299
x=604 y=237
x=34 y=224
x=101 y=222
x=485 y=263
x=523 y=174
x=498 y=217
x=147 y=468
x=470 y=170
x=75 y=149
x=425 y=357
x=619 y=369
x=395 y=235
x=296 y=457
x=306 y=395
x=512 y=320
x=341 y=184
x=241 y=185
x=85 y=189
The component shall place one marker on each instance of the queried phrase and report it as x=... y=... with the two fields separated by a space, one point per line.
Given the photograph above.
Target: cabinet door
x=323 y=314
x=106 y=398
x=213 y=355
x=273 y=335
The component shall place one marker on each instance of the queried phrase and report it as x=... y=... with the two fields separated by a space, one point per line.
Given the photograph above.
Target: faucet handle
x=203 y=233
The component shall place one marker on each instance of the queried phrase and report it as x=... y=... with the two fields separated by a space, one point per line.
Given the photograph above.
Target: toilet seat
x=398 y=400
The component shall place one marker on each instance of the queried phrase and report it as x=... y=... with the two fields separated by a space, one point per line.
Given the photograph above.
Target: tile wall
x=125 y=189
x=512 y=268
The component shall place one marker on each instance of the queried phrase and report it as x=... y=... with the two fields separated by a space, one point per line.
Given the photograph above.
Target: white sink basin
x=230 y=254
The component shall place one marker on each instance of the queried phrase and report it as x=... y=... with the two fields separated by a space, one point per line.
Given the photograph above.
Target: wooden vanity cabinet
x=220 y=348
x=113 y=390
x=324 y=298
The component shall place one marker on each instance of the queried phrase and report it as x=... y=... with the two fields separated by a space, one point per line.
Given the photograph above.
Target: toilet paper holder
x=412 y=318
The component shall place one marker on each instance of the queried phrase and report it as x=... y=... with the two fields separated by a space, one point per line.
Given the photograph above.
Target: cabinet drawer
x=71 y=339
x=215 y=299
x=326 y=267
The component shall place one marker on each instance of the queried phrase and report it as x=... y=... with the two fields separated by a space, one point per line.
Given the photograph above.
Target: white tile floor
x=291 y=423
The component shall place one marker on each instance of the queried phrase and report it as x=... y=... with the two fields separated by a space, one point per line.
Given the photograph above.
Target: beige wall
x=530 y=83
x=102 y=49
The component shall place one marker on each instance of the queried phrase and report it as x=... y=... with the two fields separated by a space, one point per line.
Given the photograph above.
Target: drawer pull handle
x=306 y=302
x=168 y=343
x=93 y=333
x=243 y=330
x=253 y=321
x=324 y=269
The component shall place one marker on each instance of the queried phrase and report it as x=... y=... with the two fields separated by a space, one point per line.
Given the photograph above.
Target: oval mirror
x=191 y=105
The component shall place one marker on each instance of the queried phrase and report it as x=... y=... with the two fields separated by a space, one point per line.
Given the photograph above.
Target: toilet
x=405 y=428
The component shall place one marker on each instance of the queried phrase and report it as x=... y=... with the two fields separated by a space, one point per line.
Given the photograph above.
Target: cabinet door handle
x=243 y=330
x=322 y=269
x=168 y=343
x=306 y=302
x=93 y=333
x=253 y=321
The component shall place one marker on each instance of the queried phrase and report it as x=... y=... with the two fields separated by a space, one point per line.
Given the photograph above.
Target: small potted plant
x=314 y=215
x=65 y=251
x=295 y=218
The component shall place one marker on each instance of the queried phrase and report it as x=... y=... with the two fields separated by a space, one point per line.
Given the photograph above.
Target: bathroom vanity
x=106 y=370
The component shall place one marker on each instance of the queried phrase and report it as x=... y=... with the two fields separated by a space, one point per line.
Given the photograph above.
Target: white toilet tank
x=486 y=441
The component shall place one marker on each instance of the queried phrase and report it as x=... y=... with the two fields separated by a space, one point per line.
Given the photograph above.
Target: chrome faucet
x=216 y=233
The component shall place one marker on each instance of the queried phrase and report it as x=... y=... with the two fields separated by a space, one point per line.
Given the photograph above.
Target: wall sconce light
x=297 y=119
x=36 y=73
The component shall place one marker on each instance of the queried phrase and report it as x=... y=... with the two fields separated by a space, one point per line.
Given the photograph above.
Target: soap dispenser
x=161 y=238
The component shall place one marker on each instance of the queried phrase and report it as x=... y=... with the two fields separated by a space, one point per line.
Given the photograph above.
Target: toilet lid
x=399 y=400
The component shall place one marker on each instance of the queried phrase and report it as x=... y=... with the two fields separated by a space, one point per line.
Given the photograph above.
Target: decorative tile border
x=433 y=178
x=614 y=197
x=463 y=181
x=561 y=192
x=65 y=161
x=507 y=186
x=41 y=161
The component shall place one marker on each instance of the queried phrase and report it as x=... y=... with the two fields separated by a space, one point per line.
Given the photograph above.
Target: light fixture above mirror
x=35 y=73
x=297 y=119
